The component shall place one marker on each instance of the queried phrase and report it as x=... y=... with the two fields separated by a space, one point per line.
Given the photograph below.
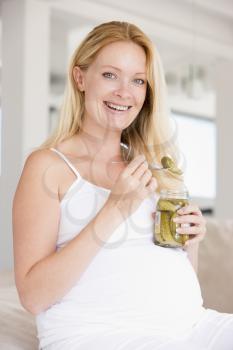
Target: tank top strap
x=70 y=165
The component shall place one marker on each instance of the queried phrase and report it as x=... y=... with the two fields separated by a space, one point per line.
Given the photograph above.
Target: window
x=197 y=142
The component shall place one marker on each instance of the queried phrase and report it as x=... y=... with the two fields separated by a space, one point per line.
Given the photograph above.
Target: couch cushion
x=215 y=269
x=18 y=330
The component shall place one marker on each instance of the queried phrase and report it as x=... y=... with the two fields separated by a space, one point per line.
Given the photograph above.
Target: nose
x=123 y=90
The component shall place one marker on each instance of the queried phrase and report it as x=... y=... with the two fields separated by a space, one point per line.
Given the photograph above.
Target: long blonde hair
x=151 y=131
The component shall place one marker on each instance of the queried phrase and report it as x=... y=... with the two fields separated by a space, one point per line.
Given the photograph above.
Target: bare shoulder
x=40 y=159
x=38 y=184
x=44 y=168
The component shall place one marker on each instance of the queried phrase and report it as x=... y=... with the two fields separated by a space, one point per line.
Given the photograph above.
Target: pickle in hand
x=165 y=228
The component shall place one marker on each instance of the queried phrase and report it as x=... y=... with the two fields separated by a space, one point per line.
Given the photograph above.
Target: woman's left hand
x=192 y=215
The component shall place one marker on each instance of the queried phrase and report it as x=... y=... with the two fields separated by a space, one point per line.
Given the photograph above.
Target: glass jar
x=165 y=233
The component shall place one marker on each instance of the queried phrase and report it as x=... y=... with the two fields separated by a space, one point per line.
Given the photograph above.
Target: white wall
x=25 y=81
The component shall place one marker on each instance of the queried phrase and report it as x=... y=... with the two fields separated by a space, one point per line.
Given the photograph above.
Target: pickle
x=170 y=165
x=173 y=225
x=167 y=162
x=165 y=229
x=165 y=205
x=175 y=170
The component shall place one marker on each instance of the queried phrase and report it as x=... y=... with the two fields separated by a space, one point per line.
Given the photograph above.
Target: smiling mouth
x=115 y=107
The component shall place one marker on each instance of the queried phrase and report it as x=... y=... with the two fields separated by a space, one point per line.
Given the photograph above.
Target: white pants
x=213 y=332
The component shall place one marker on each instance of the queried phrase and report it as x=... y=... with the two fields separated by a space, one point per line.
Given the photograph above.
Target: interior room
x=195 y=41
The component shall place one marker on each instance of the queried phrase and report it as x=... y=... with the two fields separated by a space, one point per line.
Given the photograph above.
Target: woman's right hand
x=132 y=186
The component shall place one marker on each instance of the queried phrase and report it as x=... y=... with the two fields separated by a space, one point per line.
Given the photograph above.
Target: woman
x=85 y=261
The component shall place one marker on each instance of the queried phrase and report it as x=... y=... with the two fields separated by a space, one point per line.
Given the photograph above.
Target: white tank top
x=130 y=284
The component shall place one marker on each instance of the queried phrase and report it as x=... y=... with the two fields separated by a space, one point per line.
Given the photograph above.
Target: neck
x=105 y=147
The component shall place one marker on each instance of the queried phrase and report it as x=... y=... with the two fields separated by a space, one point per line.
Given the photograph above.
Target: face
x=114 y=86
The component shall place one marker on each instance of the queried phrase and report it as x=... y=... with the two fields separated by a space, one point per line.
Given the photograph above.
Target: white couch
x=17 y=327
x=215 y=270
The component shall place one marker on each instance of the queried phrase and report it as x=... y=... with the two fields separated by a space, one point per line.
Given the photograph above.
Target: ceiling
x=182 y=30
x=177 y=27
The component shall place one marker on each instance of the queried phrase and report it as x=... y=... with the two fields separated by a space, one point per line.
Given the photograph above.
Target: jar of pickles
x=165 y=233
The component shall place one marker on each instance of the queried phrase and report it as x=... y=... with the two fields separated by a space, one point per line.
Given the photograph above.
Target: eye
x=139 y=81
x=109 y=75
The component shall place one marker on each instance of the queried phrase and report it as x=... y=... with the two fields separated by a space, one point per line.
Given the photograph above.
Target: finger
x=189 y=209
x=145 y=178
x=134 y=164
x=191 y=230
x=192 y=219
x=152 y=185
x=142 y=168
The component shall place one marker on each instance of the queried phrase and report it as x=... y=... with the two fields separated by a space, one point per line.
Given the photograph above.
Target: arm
x=42 y=275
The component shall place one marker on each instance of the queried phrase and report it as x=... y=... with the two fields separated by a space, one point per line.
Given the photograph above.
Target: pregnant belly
x=144 y=286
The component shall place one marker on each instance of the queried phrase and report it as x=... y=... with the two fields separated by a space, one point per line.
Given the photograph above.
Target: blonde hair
x=151 y=131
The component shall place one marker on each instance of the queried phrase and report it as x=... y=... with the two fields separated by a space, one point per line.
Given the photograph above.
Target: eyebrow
x=108 y=65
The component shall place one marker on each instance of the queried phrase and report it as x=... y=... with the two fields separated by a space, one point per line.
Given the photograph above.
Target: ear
x=78 y=76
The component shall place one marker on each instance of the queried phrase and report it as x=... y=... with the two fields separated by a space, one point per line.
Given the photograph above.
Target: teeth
x=117 y=107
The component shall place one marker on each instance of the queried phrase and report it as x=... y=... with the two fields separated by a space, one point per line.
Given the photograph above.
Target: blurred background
x=195 y=40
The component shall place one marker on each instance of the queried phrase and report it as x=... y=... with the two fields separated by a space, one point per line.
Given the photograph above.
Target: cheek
x=140 y=98
x=96 y=91
x=92 y=93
